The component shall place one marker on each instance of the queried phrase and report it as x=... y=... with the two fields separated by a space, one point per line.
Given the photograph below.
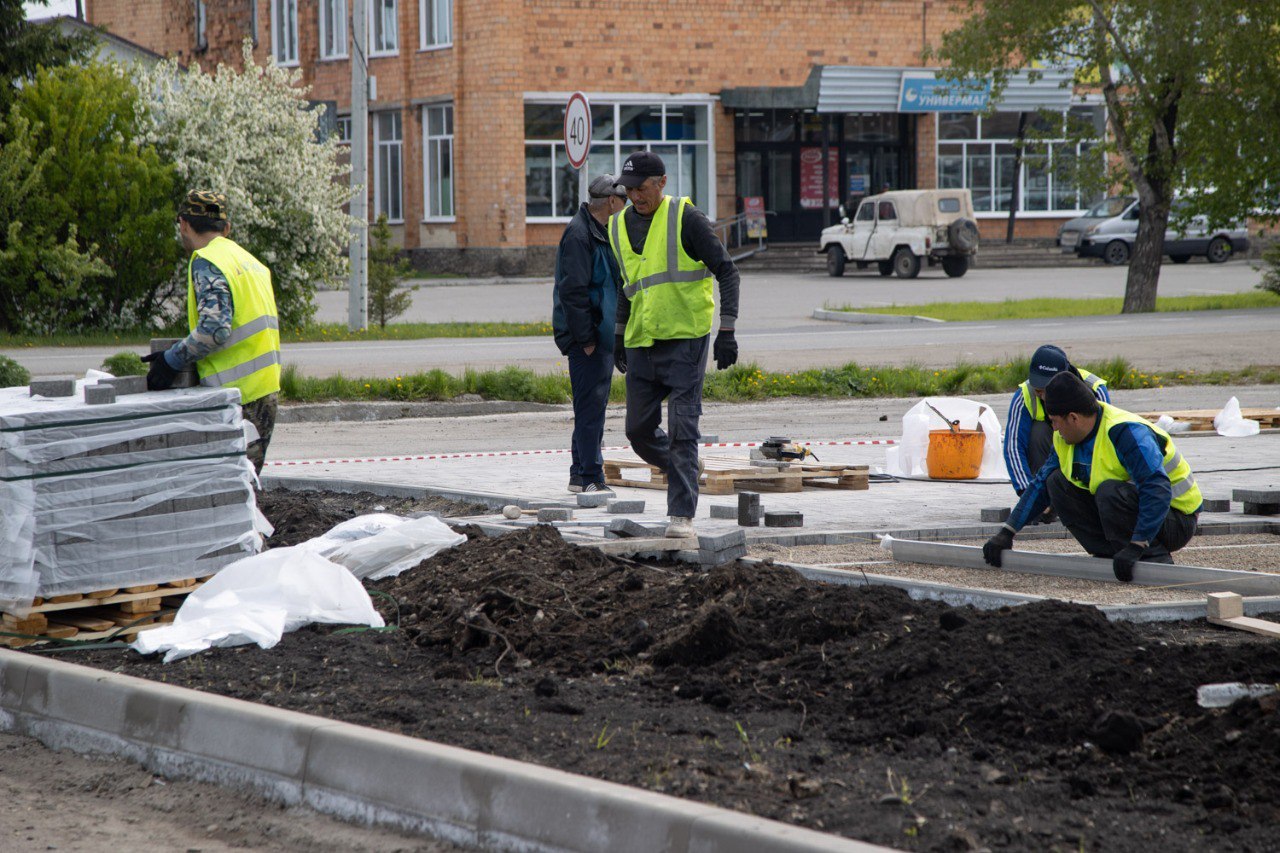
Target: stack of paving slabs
x=152 y=489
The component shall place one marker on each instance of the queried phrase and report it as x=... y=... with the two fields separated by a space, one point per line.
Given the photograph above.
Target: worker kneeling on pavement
x=231 y=311
x=1117 y=482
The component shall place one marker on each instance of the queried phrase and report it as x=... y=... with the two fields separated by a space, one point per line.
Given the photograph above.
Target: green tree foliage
x=12 y=373
x=42 y=274
x=386 y=270
x=1271 y=270
x=24 y=47
x=115 y=192
x=1192 y=89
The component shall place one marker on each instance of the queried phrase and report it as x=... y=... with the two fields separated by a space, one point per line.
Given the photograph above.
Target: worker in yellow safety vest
x=670 y=260
x=1117 y=482
x=231 y=311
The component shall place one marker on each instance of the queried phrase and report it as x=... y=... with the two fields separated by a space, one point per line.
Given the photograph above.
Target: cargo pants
x=673 y=371
x=1103 y=523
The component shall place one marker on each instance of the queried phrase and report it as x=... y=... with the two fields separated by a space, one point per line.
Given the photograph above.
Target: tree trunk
x=1017 y=176
x=1148 y=251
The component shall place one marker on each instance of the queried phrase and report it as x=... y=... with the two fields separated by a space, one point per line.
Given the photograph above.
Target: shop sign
x=753 y=210
x=926 y=93
x=811 y=178
x=859 y=184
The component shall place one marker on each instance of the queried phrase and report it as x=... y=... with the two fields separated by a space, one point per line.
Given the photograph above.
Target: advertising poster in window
x=753 y=208
x=811 y=178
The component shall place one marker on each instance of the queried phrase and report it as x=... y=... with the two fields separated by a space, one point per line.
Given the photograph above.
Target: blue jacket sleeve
x=1017 y=435
x=1142 y=457
x=1035 y=500
x=1102 y=394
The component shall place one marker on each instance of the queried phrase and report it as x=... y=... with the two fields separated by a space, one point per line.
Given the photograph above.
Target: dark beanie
x=1065 y=393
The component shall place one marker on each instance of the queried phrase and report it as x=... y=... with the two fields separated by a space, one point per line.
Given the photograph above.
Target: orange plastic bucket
x=955 y=455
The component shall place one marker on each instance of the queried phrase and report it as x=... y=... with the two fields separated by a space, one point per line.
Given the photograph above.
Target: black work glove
x=620 y=354
x=1122 y=562
x=996 y=545
x=161 y=375
x=725 y=350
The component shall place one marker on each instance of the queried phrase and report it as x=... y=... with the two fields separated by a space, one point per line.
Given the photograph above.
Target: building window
x=978 y=152
x=387 y=171
x=679 y=133
x=333 y=29
x=284 y=31
x=202 y=21
x=384 y=31
x=437 y=161
x=435 y=19
x=343 y=127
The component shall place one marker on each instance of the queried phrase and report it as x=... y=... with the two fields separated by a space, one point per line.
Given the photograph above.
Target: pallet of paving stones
x=1201 y=420
x=106 y=613
x=723 y=475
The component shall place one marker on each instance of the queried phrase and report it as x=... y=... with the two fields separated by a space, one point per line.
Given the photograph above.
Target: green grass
x=318 y=332
x=747 y=382
x=1034 y=309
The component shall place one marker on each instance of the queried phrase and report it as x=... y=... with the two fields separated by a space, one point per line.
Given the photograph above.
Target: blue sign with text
x=924 y=93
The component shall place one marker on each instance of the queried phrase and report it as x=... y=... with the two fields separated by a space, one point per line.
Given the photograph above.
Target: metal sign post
x=577 y=138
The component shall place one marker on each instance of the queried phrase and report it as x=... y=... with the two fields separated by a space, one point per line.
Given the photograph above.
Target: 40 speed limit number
x=577 y=129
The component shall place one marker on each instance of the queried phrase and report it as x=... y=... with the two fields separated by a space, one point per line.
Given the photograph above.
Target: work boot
x=575 y=487
x=596 y=488
x=680 y=527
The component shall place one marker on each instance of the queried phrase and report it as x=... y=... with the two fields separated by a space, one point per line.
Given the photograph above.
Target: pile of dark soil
x=853 y=710
x=302 y=515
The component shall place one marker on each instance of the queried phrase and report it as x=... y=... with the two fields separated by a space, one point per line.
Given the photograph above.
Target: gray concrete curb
x=388 y=411
x=870 y=319
x=365 y=775
x=492 y=500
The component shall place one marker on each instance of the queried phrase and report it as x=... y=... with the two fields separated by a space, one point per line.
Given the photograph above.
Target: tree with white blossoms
x=252 y=135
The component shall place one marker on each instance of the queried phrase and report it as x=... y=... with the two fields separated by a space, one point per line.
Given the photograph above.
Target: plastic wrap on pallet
x=147 y=490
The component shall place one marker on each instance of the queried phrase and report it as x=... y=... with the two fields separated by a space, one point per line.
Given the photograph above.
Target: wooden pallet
x=97 y=615
x=722 y=475
x=1201 y=420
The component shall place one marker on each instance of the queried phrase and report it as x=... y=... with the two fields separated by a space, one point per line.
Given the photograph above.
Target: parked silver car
x=1112 y=239
x=1073 y=229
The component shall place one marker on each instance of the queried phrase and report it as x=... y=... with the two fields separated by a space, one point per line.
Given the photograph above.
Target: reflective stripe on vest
x=686 y=306
x=1106 y=464
x=249 y=359
x=1033 y=403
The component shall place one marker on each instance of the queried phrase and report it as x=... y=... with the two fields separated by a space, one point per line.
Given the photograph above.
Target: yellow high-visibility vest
x=1036 y=408
x=250 y=357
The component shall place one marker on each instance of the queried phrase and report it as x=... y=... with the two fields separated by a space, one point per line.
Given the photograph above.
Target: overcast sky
x=56 y=7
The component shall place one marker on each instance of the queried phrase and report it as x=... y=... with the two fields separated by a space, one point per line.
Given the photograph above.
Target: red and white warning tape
x=496 y=453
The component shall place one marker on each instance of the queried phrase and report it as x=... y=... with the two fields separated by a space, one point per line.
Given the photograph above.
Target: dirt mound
x=302 y=515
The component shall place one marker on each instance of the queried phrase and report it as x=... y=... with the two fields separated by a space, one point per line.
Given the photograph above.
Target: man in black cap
x=583 y=309
x=1028 y=438
x=1117 y=481
x=671 y=261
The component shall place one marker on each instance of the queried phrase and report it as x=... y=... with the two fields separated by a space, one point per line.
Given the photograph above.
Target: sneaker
x=575 y=487
x=596 y=488
x=680 y=527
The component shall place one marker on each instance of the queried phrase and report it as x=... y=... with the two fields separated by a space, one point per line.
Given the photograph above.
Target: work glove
x=725 y=350
x=620 y=354
x=996 y=545
x=161 y=375
x=1122 y=562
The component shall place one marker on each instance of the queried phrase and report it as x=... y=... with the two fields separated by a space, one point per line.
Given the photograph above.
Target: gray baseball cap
x=603 y=186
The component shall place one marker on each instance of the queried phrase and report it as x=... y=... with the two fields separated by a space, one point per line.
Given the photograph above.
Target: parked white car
x=901 y=230
x=1112 y=239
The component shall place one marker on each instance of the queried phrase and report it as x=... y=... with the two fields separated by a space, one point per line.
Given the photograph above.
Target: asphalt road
x=776 y=329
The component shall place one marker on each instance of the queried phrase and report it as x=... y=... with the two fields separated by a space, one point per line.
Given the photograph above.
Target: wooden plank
x=147 y=588
x=93 y=600
x=640 y=546
x=1253 y=626
x=63 y=599
x=85 y=623
x=102 y=593
x=61 y=632
x=144 y=605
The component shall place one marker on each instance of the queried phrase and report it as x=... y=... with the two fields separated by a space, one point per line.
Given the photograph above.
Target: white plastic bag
x=1229 y=422
x=396 y=549
x=259 y=599
x=353 y=529
x=912 y=458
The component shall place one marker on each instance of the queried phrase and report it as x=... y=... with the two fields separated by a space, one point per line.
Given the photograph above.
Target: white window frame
x=375 y=7
x=435 y=12
x=617 y=101
x=279 y=42
x=433 y=146
x=202 y=25
x=987 y=146
x=333 y=16
x=342 y=130
x=395 y=147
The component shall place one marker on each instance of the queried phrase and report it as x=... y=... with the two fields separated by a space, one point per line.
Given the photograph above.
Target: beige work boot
x=680 y=527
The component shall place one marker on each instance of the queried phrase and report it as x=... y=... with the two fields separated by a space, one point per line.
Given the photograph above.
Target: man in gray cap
x=584 y=304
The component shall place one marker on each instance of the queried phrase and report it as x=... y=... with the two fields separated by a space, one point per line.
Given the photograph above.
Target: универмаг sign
x=923 y=92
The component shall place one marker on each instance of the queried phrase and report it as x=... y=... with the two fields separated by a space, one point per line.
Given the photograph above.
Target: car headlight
x=1090 y=230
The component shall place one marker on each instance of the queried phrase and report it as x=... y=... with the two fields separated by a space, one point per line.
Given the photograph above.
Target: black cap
x=1047 y=363
x=1067 y=393
x=639 y=167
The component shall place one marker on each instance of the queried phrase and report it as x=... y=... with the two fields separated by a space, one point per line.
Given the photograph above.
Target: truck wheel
x=963 y=235
x=885 y=267
x=835 y=261
x=905 y=263
x=1219 y=250
x=955 y=265
x=1116 y=253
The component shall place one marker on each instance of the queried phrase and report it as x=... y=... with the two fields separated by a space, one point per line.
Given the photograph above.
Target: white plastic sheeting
x=910 y=457
x=1231 y=423
x=395 y=549
x=260 y=598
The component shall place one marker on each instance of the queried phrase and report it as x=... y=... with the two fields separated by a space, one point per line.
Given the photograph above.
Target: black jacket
x=585 y=299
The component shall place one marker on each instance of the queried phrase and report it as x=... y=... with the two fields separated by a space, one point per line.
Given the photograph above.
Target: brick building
x=740 y=97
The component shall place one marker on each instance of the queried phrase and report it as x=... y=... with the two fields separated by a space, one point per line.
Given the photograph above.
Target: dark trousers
x=1103 y=522
x=1039 y=445
x=589 y=378
x=262 y=414
x=672 y=371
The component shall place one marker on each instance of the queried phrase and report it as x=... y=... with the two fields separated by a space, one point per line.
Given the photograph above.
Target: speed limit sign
x=577 y=129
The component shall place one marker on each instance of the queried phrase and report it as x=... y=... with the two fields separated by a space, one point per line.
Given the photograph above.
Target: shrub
x=1271 y=271
x=12 y=373
x=124 y=363
x=386 y=270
